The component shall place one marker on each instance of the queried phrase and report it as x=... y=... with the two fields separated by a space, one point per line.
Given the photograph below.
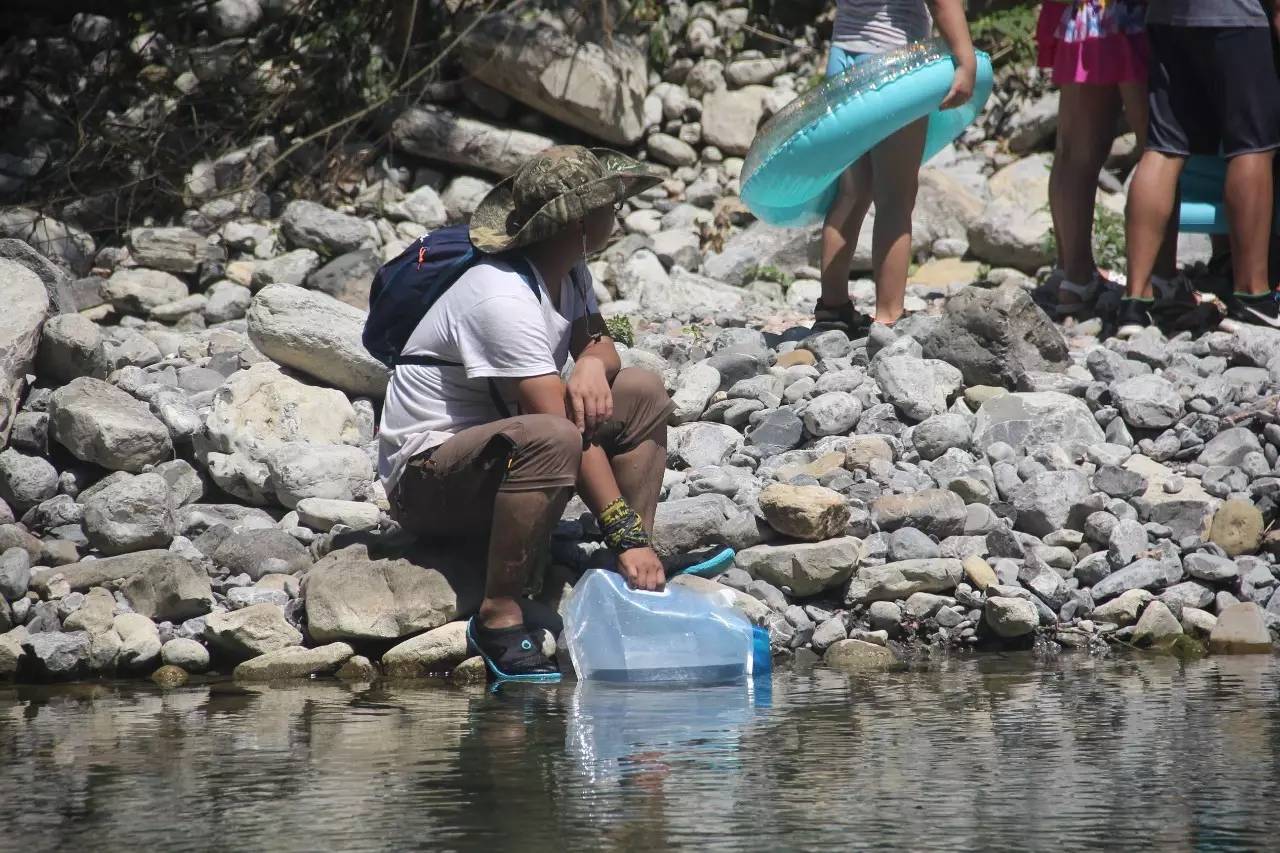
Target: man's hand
x=961 y=85
x=642 y=569
x=588 y=396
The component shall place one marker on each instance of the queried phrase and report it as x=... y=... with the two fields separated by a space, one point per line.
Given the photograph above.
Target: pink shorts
x=1103 y=44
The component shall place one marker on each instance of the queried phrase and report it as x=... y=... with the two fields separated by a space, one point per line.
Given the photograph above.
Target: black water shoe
x=511 y=654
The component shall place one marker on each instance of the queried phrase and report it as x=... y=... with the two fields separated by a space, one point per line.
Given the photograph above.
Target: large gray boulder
x=350 y=596
x=307 y=225
x=244 y=427
x=69 y=347
x=1051 y=501
x=255 y=630
x=995 y=337
x=294 y=662
x=806 y=569
x=260 y=552
x=446 y=137
x=597 y=89
x=347 y=277
x=894 y=581
x=101 y=424
x=1037 y=419
x=305 y=470
x=316 y=334
x=166 y=587
x=26 y=480
x=692 y=524
x=132 y=515
x=26 y=306
x=1147 y=402
x=761 y=245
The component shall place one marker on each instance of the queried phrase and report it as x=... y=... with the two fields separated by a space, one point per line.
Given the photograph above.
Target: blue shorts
x=842 y=60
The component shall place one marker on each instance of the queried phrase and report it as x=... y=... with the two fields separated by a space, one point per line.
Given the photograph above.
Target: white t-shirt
x=491 y=324
x=876 y=26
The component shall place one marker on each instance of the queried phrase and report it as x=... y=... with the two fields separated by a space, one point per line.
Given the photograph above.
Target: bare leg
x=840 y=231
x=1137 y=110
x=1249 y=201
x=639 y=476
x=1087 y=118
x=895 y=176
x=1152 y=196
x=522 y=523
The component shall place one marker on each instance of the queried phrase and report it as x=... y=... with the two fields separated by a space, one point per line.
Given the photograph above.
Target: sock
x=1139 y=299
x=1255 y=297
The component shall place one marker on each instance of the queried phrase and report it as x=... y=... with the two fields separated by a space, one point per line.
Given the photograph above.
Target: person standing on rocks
x=1097 y=53
x=454 y=460
x=1215 y=89
x=889 y=174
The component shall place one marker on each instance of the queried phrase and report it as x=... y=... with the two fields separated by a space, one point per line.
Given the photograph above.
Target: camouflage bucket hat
x=551 y=190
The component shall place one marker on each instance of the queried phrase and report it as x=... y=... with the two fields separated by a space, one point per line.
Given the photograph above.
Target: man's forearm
x=604 y=351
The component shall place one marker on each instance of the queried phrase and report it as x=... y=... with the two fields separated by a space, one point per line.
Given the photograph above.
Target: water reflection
x=1000 y=753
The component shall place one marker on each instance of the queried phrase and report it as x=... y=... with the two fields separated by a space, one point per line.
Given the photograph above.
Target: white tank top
x=875 y=26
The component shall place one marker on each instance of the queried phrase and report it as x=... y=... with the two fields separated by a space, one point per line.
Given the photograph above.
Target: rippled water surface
x=995 y=753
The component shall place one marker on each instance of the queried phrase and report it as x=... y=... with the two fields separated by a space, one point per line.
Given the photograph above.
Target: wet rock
x=899 y=580
x=170 y=677
x=435 y=652
x=1157 y=626
x=1010 y=617
x=101 y=424
x=358 y=668
x=294 y=662
x=132 y=515
x=810 y=513
x=1241 y=630
x=805 y=569
x=250 y=632
x=859 y=656
x=316 y=334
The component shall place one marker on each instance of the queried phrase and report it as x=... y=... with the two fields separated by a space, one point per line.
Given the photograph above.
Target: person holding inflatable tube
x=1097 y=53
x=1214 y=89
x=887 y=176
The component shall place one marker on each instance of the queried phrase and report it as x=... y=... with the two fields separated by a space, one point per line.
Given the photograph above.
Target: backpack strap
x=431 y=361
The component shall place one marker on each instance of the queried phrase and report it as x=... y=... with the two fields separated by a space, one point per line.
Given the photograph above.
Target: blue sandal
x=511 y=654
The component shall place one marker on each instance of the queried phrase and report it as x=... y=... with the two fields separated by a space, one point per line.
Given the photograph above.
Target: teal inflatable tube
x=790 y=172
x=1202 y=210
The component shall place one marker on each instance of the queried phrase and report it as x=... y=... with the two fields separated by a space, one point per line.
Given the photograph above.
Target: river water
x=992 y=753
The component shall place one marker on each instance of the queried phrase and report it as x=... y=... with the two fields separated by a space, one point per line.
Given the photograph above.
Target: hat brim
x=494 y=229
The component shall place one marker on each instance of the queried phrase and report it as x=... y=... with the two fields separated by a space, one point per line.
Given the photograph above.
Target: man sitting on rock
x=457 y=464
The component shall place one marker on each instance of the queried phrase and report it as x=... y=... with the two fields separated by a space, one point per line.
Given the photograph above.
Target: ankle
x=501 y=612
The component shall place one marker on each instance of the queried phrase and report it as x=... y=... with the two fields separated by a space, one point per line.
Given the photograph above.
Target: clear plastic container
x=619 y=634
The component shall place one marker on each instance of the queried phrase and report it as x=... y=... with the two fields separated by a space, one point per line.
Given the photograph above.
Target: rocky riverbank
x=188 y=419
